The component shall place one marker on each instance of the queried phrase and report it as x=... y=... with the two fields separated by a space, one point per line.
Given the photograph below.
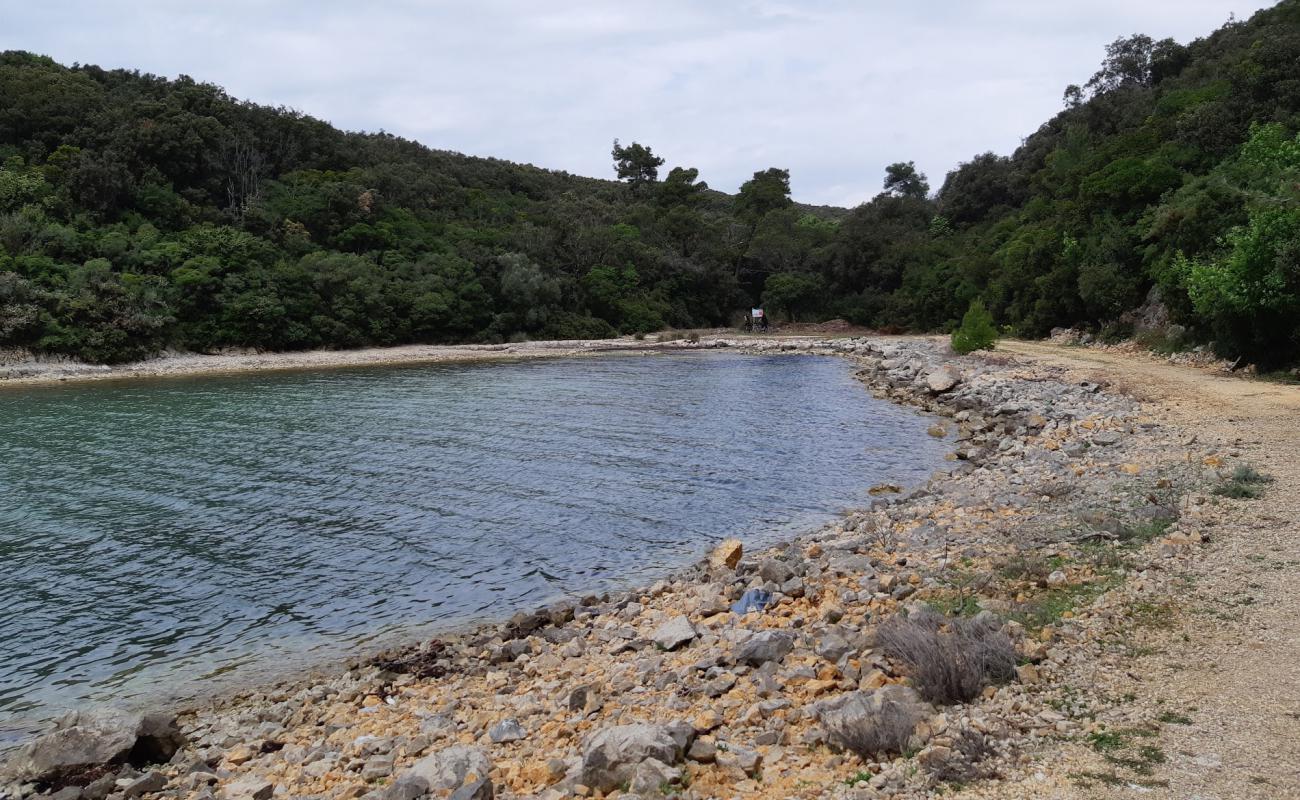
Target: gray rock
x=507 y=730
x=407 y=787
x=651 y=776
x=249 y=787
x=763 y=647
x=743 y=758
x=451 y=767
x=883 y=718
x=1106 y=438
x=674 y=633
x=480 y=789
x=942 y=379
x=90 y=738
x=611 y=755
x=775 y=570
x=145 y=784
x=832 y=647
x=702 y=751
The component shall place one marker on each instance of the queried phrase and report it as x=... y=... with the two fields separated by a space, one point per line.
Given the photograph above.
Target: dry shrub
x=876 y=724
x=950 y=659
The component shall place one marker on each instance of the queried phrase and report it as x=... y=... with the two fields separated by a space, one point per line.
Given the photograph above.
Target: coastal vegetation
x=139 y=213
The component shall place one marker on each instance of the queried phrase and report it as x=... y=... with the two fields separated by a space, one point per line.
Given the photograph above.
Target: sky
x=832 y=90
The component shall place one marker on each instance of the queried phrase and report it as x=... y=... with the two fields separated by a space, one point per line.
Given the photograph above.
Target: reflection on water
x=155 y=532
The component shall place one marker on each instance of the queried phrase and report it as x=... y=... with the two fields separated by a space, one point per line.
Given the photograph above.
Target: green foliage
x=977 y=331
x=138 y=213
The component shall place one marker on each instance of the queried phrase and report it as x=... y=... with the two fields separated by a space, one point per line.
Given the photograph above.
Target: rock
x=249 y=787
x=84 y=739
x=674 y=633
x=775 y=570
x=1028 y=674
x=480 y=789
x=651 y=776
x=743 y=758
x=407 y=787
x=881 y=719
x=611 y=755
x=942 y=379
x=884 y=488
x=832 y=647
x=451 y=767
x=727 y=554
x=702 y=751
x=145 y=784
x=1106 y=438
x=763 y=647
x=1057 y=578
x=507 y=730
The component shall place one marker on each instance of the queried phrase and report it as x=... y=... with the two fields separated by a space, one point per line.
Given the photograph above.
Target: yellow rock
x=819 y=686
x=240 y=754
x=1131 y=469
x=728 y=553
x=1212 y=461
x=707 y=721
x=873 y=680
x=371 y=701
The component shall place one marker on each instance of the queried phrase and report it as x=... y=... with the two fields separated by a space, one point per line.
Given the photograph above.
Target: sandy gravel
x=1232 y=665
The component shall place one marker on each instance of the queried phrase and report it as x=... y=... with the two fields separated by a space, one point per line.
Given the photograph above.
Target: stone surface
x=449 y=768
x=763 y=647
x=674 y=633
x=610 y=756
x=728 y=554
x=89 y=738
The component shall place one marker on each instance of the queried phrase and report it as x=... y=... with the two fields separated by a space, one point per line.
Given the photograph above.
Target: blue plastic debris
x=752 y=600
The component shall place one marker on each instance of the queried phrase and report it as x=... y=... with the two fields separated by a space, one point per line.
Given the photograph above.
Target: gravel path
x=1232 y=667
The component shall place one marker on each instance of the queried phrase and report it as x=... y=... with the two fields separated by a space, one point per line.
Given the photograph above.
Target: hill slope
x=138 y=213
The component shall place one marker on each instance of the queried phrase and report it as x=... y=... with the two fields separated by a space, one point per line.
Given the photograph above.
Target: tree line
x=139 y=213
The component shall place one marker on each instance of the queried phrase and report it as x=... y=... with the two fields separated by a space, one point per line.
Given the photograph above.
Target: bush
x=1246 y=483
x=881 y=723
x=977 y=331
x=950 y=659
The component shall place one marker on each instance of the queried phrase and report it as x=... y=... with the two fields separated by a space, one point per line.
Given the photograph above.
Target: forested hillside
x=139 y=213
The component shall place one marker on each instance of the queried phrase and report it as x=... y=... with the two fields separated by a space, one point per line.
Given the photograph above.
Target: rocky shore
x=949 y=638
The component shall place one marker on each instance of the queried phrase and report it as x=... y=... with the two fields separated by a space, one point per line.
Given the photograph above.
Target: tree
x=636 y=164
x=976 y=331
x=902 y=180
x=795 y=293
x=767 y=191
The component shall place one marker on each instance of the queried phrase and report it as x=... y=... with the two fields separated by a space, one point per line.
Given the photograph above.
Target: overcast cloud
x=833 y=90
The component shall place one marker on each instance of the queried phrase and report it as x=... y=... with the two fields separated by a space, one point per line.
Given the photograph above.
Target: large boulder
x=85 y=739
x=611 y=756
x=450 y=768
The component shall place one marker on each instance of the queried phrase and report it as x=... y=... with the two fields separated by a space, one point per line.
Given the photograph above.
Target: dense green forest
x=139 y=213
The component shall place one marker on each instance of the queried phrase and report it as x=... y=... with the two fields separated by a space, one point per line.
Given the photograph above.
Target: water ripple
x=154 y=533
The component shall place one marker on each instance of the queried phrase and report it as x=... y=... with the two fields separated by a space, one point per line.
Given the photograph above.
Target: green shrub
x=976 y=332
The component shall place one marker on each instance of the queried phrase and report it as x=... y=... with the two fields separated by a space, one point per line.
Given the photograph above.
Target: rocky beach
x=996 y=632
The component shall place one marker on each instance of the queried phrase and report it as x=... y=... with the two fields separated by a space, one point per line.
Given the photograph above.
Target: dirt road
x=1232 y=667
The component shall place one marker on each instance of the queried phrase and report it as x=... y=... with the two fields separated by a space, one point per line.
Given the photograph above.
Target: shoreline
x=55 y=372
x=1007 y=415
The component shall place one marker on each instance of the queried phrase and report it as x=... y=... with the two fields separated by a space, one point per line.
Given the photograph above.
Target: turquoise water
x=154 y=534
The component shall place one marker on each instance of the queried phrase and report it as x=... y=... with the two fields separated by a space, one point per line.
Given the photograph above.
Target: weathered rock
x=651 y=776
x=882 y=718
x=451 y=767
x=507 y=730
x=942 y=379
x=775 y=570
x=763 y=647
x=480 y=789
x=249 y=787
x=149 y=782
x=674 y=633
x=1106 y=438
x=407 y=787
x=745 y=759
x=833 y=647
x=727 y=554
x=85 y=739
x=611 y=755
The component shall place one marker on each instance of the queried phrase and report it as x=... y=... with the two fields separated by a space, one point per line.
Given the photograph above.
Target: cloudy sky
x=833 y=90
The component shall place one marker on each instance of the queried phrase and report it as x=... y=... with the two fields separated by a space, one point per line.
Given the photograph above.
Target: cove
x=161 y=534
